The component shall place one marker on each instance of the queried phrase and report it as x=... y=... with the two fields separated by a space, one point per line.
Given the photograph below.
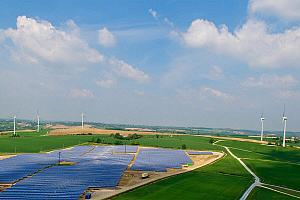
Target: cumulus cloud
x=271 y=81
x=106 y=38
x=253 y=43
x=125 y=70
x=285 y=9
x=81 y=93
x=37 y=41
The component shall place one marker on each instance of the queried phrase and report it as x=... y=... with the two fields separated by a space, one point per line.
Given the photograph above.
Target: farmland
x=274 y=165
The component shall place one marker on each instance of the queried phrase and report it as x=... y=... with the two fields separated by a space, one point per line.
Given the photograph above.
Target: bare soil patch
x=63 y=130
x=236 y=139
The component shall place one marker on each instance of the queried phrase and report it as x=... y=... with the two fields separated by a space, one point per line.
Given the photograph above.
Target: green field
x=262 y=193
x=274 y=165
x=36 y=142
x=276 y=173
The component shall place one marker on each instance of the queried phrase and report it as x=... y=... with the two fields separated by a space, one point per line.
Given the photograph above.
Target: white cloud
x=81 y=93
x=286 y=9
x=37 y=41
x=107 y=83
x=106 y=38
x=153 y=13
x=123 y=69
x=271 y=81
x=208 y=91
x=252 y=43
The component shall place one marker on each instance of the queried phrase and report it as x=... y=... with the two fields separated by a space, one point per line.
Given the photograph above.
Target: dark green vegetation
x=262 y=193
x=226 y=179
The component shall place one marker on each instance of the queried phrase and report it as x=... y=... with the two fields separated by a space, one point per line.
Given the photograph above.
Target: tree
x=212 y=140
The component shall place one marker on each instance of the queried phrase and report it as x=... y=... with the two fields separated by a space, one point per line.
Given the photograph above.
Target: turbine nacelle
x=284 y=118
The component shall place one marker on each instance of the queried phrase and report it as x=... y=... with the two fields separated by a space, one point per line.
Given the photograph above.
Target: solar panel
x=95 y=167
x=200 y=153
x=152 y=159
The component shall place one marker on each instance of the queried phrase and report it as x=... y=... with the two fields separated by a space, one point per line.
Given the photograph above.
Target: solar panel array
x=95 y=167
x=152 y=159
x=200 y=153
x=17 y=167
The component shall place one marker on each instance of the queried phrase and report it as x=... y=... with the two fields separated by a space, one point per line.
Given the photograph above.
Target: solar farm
x=69 y=173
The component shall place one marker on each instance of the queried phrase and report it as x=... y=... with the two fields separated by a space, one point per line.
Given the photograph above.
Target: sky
x=210 y=63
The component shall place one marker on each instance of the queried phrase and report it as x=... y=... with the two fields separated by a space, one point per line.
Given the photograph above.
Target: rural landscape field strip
x=278 y=173
x=263 y=193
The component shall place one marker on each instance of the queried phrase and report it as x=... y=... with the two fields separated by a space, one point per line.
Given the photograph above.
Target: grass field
x=225 y=179
x=262 y=193
x=36 y=142
x=274 y=165
x=276 y=173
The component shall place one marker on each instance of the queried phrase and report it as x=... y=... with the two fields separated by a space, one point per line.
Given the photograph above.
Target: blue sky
x=184 y=63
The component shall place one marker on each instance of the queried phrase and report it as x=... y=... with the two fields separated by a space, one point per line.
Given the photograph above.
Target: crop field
x=262 y=193
x=277 y=173
x=274 y=165
x=35 y=142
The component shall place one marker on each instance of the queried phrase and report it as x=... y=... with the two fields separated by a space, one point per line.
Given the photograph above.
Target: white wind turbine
x=38 y=121
x=15 y=125
x=284 y=120
x=82 y=116
x=262 y=126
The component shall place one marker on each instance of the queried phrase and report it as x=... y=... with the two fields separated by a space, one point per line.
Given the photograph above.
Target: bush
x=15 y=135
x=212 y=140
x=183 y=146
x=134 y=143
x=117 y=142
x=98 y=140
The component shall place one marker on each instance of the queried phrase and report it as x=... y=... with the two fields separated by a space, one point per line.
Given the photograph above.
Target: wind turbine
x=262 y=126
x=38 y=121
x=82 y=120
x=284 y=120
x=15 y=125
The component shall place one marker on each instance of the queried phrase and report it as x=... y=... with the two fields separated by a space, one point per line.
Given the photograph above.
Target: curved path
x=256 y=182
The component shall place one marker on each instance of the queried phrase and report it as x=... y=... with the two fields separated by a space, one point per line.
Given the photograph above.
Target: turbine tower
x=262 y=126
x=82 y=120
x=284 y=120
x=38 y=121
x=15 y=125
